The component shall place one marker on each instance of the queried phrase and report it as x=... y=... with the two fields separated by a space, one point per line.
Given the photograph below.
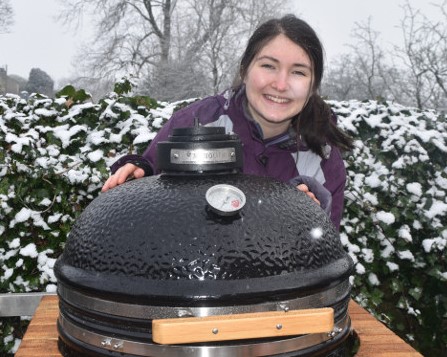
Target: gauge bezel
x=225 y=188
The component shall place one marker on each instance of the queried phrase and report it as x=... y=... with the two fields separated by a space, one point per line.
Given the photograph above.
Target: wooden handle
x=242 y=326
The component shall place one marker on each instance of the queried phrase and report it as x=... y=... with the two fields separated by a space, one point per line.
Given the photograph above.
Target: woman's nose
x=280 y=81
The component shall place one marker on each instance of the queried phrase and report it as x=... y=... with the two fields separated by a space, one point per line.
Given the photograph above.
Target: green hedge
x=55 y=156
x=395 y=224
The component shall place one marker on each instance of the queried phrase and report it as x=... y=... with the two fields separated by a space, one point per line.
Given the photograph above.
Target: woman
x=287 y=131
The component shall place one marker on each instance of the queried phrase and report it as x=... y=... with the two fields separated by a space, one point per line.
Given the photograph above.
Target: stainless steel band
x=264 y=348
x=86 y=302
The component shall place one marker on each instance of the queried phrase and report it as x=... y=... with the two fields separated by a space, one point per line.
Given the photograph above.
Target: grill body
x=154 y=248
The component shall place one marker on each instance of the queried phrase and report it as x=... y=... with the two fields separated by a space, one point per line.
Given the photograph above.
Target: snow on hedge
x=56 y=153
x=395 y=222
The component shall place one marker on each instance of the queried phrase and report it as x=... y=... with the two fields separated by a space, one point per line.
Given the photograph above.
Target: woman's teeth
x=277 y=99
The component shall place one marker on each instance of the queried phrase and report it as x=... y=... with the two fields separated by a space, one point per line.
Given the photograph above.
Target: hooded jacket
x=280 y=157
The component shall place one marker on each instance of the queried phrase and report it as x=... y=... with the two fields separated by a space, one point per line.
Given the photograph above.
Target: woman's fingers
x=138 y=173
x=122 y=175
x=106 y=185
x=302 y=187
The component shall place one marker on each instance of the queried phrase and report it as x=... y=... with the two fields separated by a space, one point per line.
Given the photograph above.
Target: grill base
x=75 y=342
x=92 y=326
x=72 y=350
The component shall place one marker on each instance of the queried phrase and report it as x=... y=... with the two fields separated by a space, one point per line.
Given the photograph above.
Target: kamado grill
x=203 y=261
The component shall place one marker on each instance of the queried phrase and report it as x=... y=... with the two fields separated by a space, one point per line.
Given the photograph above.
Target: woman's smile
x=277 y=99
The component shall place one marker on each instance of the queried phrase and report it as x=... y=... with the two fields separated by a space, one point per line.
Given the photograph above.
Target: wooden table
x=376 y=340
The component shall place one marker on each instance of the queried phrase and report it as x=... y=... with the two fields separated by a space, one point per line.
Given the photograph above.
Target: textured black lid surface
x=157 y=236
x=157 y=242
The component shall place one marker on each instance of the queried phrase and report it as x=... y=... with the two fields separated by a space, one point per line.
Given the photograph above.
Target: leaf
x=77 y=96
x=68 y=91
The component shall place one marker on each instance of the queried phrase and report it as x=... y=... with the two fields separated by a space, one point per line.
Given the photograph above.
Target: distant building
x=8 y=84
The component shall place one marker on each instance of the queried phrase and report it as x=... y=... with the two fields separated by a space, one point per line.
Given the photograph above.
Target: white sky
x=36 y=40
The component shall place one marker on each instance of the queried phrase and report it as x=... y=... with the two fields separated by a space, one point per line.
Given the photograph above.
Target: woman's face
x=278 y=83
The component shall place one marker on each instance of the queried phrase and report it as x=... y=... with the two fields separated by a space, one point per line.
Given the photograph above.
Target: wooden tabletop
x=376 y=340
x=41 y=336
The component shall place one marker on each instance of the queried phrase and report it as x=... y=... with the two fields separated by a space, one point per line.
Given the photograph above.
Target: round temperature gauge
x=225 y=200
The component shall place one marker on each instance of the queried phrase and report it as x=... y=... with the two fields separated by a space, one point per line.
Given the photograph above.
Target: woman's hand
x=124 y=173
x=302 y=187
x=315 y=190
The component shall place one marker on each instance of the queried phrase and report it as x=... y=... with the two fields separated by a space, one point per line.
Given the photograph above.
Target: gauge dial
x=225 y=199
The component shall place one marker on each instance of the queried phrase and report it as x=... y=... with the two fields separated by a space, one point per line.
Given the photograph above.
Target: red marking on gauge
x=235 y=203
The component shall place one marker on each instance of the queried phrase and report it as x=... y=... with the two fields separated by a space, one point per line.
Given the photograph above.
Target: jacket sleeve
x=137 y=160
x=335 y=174
x=321 y=193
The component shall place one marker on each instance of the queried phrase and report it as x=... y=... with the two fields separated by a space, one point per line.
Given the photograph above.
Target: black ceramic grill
x=196 y=243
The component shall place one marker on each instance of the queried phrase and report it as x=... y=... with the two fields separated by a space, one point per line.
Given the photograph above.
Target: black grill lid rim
x=336 y=297
x=253 y=290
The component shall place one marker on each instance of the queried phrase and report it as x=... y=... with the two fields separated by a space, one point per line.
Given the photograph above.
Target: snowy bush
x=55 y=156
x=395 y=223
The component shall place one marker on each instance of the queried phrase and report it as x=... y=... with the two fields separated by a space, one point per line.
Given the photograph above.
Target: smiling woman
x=288 y=132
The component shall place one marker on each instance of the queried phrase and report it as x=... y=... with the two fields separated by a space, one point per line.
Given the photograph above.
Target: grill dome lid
x=158 y=238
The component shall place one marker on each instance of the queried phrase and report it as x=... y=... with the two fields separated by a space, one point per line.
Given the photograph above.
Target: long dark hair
x=315 y=124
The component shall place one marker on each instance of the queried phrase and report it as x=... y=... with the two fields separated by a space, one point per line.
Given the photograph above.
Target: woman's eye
x=299 y=73
x=267 y=65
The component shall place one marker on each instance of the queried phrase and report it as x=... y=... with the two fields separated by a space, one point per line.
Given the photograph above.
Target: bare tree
x=6 y=16
x=129 y=34
x=368 y=60
x=414 y=73
x=424 y=53
x=358 y=74
x=217 y=43
x=187 y=47
x=338 y=82
x=410 y=56
x=437 y=58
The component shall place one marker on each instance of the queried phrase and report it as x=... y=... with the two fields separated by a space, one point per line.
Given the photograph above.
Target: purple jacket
x=276 y=157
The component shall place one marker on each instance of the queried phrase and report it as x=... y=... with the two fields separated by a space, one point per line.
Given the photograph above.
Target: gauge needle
x=225 y=201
